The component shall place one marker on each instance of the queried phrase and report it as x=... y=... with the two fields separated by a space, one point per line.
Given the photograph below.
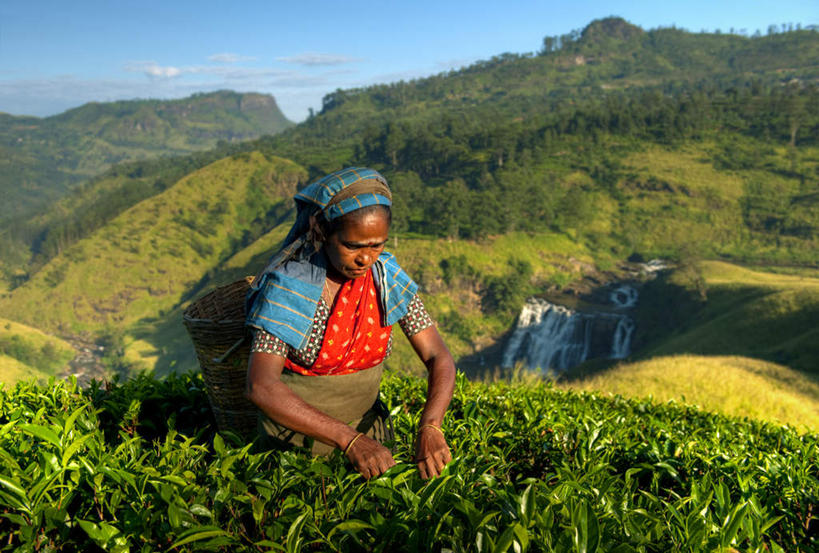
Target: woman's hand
x=431 y=451
x=369 y=457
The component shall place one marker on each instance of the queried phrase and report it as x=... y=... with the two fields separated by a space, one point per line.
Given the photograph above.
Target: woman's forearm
x=440 y=383
x=432 y=351
x=281 y=404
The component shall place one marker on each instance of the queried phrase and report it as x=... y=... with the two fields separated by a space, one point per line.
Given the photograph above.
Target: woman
x=322 y=312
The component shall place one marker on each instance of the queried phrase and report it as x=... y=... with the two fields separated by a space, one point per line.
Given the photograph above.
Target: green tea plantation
x=137 y=467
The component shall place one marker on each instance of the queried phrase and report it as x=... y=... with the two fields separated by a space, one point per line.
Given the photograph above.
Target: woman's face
x=357 y=244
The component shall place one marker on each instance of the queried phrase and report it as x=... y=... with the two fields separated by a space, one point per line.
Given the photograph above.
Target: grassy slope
x=145 y=260
x=767 y=315
x=680 y=195
x=13 y=371
x=32 y=343
x=709 y=360
x=732 y=385
x=164 y=344
x=100 y=276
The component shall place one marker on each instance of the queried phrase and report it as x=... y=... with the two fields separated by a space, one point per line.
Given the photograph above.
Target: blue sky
x=55 y=55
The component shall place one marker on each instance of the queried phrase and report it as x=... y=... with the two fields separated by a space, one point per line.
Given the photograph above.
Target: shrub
x=136 y=466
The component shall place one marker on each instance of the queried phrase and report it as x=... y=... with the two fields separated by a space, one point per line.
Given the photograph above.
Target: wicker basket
x=216 y=324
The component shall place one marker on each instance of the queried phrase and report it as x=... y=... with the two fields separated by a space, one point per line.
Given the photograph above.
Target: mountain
x=512 y=177
x=43 y=158
x=607 y=87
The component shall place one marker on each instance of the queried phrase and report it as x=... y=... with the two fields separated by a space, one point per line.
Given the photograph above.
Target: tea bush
x=137 y=466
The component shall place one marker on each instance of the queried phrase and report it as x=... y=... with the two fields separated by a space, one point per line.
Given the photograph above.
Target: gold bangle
x=438 y=428
x=357 y=436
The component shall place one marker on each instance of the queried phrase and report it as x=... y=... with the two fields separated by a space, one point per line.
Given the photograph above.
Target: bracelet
x=438 y=428
x=357 y=436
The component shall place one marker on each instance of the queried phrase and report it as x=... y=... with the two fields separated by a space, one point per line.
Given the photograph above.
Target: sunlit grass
x=689 y=166
x=49 y=353
x=13 y=371
x=732 y=385
x=718 y=273
x=143 y=262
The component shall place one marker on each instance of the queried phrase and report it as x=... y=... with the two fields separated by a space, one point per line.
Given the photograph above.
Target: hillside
x=593 y=69
x=41 y=159
x=498 y=195
x=586 y=100
x=27 y=353
x=146 y=259
x=747 y=312
x=735 y=386
x=102 y=283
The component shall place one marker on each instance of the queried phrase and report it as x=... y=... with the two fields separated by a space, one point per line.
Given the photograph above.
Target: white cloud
x=294 y=91
x=156 y=71
x=153 y=69
x=227 y=57
x=316 y=58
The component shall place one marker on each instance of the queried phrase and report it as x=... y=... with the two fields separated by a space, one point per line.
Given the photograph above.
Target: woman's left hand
x=431 y=451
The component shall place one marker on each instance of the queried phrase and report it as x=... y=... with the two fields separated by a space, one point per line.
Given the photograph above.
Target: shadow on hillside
x=485 y=364
x=764 y=322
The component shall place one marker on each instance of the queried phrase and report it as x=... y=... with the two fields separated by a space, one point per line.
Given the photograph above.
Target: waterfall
x=549 y=336
x=624 y=296
x=622 y=338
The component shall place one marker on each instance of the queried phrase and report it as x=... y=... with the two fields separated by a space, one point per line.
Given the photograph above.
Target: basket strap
x=231 y=349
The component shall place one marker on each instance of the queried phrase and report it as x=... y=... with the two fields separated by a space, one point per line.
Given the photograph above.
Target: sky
x=56 y=55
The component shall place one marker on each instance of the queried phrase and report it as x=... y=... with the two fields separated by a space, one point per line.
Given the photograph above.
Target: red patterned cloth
x=416 y=320
x=354 y=339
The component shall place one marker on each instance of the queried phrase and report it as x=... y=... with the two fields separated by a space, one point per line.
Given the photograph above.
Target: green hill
x=736 y=386
x=145 y=260
x=41 y=159
x=760 y=314
x=513 y=176
x=516 y=125
x=27 y=353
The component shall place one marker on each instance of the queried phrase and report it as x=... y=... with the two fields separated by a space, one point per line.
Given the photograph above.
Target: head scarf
x=284 y=295
x=330 y=197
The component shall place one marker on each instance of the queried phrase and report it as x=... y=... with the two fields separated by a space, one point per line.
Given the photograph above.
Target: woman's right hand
x=369 y=457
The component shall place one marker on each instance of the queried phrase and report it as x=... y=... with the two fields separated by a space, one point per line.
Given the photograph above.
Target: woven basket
x=216 y=324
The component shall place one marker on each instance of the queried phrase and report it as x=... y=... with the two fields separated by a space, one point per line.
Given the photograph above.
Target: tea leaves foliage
x=136 y=466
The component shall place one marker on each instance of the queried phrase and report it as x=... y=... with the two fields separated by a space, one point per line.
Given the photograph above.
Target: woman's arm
x=266 y=390
x=431 y=450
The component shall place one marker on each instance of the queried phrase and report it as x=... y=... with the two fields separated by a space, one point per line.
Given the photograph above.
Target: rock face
x=553 y=337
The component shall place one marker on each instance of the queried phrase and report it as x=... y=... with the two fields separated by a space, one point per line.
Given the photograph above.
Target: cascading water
x=624 y=296
x=620 y=346
x=549 y=336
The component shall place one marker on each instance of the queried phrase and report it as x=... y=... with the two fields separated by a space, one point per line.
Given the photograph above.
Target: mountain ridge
x=534 y=176
x=43 y=158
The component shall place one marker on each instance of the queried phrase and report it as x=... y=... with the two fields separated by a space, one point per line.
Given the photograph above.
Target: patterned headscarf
x=331 y=197
x=283 y=297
